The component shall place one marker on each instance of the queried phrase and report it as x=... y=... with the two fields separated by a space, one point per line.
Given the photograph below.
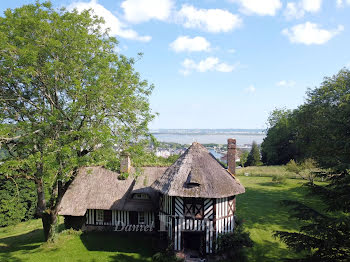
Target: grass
x=24 y=242
x=265 y=171
x=263 y=214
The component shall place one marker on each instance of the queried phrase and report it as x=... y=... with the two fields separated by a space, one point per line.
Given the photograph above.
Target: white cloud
x=211 y=20
x=310 y=33
x=311 y=5
x=231 y=51
x=137 y=11
x=298 y=9
x=250 y=89
x=285 y=83
x=117 y=28
x=293 y=10
x=185 y=43
x=208 y=64
x=259 y=7
x=341 y=3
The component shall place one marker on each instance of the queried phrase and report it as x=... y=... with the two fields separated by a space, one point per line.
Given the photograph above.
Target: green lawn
x=24 y=242
x=265 y=171
x=259 y=207
x=262 y=213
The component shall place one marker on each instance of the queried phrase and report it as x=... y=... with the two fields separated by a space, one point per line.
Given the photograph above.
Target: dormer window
x=193 y=179
x=141 y=196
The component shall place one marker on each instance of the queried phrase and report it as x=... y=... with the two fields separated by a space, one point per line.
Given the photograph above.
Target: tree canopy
x=323 y=126
x=67 y=98
x=279 y=145
x=254 y=158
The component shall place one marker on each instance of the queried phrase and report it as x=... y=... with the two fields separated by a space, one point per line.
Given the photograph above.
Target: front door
x=194 y=241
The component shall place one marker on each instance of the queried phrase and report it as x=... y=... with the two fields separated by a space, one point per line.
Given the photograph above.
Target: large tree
x=67 y=99
x=254 y=158
x=323 y=124
x=279 y=145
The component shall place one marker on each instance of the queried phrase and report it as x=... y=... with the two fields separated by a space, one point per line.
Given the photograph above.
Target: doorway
x=194 y=241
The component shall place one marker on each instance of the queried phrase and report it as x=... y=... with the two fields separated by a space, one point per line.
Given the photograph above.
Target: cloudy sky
x=227 y=63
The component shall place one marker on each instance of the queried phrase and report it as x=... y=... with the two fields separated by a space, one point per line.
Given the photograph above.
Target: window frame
x=139 y=215
x=99 y=215
x=190 y=208
x=141 y=196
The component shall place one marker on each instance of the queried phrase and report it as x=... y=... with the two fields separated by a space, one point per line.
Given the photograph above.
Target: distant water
x=207 y=136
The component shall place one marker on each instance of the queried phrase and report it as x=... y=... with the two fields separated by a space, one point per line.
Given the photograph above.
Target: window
x=193 y=207
x=99 y=215
x=141 y=216
x=141 y=196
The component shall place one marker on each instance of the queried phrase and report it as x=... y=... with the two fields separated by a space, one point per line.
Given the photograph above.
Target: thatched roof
x=100 y=188
x=198 y=174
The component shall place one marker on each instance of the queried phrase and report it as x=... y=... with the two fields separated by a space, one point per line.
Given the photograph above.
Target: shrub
x=123 y=176
x=279 y=179
x=166 y=255
x=233 y=245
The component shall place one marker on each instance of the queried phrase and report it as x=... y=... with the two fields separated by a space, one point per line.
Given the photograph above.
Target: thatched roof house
x=193 y=200
x=99 y=188
x=198 y=174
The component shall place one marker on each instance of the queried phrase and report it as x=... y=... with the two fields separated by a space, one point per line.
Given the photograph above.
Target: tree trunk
x=50 y=216
x=41 y=204
x=49 y=219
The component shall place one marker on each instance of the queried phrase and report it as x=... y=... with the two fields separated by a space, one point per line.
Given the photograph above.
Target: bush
x=233 y=245
x=279 y=179
x=123 y=176
x=166 y=256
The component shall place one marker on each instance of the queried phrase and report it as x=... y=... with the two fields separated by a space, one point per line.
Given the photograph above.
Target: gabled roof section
x=198 y=166
x=99 y=188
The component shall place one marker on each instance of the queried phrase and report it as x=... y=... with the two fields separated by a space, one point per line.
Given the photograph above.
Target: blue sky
x=226 y=64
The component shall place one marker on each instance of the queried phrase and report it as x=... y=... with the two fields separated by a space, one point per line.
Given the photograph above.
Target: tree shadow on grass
x=25 y=242
x=268 y=251
x=128 y=245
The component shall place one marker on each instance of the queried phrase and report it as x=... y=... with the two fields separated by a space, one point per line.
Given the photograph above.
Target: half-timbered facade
x=197 y=200
x=192 y=201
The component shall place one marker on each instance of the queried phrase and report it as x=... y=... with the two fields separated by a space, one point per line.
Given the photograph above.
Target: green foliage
x=165 y=257
x=279 y=179
x=323 y=124
x=123 y=176
x=233 y=244
x=254 y=158
x=67 y=99
x=243 y=158
x=306 y=169
x=17 y=200
x=279 y=145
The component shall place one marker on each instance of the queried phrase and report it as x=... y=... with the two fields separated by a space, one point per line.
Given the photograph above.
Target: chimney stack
x=231 y=155
x=125 y=163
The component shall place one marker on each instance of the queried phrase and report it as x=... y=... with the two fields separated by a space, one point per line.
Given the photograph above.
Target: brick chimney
x=231 y=155
x=125 y=163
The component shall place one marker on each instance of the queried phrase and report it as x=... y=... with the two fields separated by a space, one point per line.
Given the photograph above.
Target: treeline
x=319 y=129
x=17 y=200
